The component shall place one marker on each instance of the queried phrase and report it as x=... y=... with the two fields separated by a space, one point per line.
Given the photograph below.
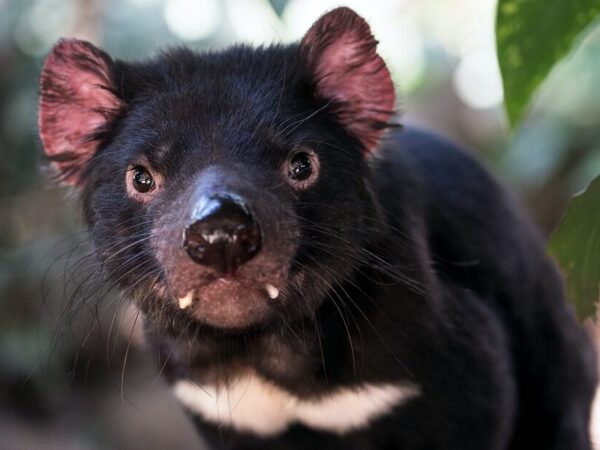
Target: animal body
x=312 y=275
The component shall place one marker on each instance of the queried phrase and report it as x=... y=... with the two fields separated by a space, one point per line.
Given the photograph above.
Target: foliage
x=576 y=246
x=532 y=37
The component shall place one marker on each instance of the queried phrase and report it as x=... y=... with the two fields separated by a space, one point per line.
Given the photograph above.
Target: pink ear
x=77 y=102
x=341 y=53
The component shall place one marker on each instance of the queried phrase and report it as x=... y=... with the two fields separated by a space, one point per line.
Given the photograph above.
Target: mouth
x=194 y=294
x=230 y=303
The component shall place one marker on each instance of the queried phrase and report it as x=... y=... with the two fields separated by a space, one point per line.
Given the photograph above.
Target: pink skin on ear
x=341 y=51
x=77 y=100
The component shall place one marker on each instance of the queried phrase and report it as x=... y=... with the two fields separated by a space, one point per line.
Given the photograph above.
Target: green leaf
x=576 y=246
x=532 y=36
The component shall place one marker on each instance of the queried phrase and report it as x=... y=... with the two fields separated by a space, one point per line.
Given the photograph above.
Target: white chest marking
x=251 y=403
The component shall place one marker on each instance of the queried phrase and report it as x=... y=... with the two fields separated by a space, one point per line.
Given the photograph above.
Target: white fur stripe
x=253 y=404
x=595 y=421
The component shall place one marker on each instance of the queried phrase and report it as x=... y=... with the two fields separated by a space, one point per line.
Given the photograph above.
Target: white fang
x=251 y=403
x=272 y=291
x=186 y=301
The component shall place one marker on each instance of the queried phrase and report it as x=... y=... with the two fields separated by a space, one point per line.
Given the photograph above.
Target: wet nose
x=224 y=235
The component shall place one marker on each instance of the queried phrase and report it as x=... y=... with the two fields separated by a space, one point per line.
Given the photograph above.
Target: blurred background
x=76 y=376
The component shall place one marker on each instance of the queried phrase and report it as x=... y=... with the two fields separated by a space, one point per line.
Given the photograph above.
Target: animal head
x=225 y=190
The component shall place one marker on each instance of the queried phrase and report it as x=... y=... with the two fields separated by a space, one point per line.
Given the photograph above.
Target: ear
x=77 y=102
x=340 y=51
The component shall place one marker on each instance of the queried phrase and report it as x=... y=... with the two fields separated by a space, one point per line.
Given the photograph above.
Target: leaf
x=532 y=36
x=576 y=246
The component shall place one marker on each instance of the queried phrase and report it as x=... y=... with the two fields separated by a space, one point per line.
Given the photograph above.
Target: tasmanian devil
x=312 y=275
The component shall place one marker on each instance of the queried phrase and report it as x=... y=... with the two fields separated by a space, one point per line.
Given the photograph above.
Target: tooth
x=272 y=291
x=186 y=301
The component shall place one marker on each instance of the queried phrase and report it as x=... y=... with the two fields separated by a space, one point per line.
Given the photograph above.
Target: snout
x=225 y=245
x=223 y=235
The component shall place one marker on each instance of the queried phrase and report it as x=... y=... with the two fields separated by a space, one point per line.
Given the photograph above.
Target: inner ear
x=78 y=101
x=340 y=52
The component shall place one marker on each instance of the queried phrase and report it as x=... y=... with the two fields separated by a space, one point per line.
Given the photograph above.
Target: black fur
x=408 y=264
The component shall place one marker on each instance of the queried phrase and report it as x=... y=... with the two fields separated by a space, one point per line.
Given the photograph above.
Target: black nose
x=224 y=236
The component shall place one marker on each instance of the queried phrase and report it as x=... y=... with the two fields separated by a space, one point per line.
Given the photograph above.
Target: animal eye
x=142 y=180
x=300 y=167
